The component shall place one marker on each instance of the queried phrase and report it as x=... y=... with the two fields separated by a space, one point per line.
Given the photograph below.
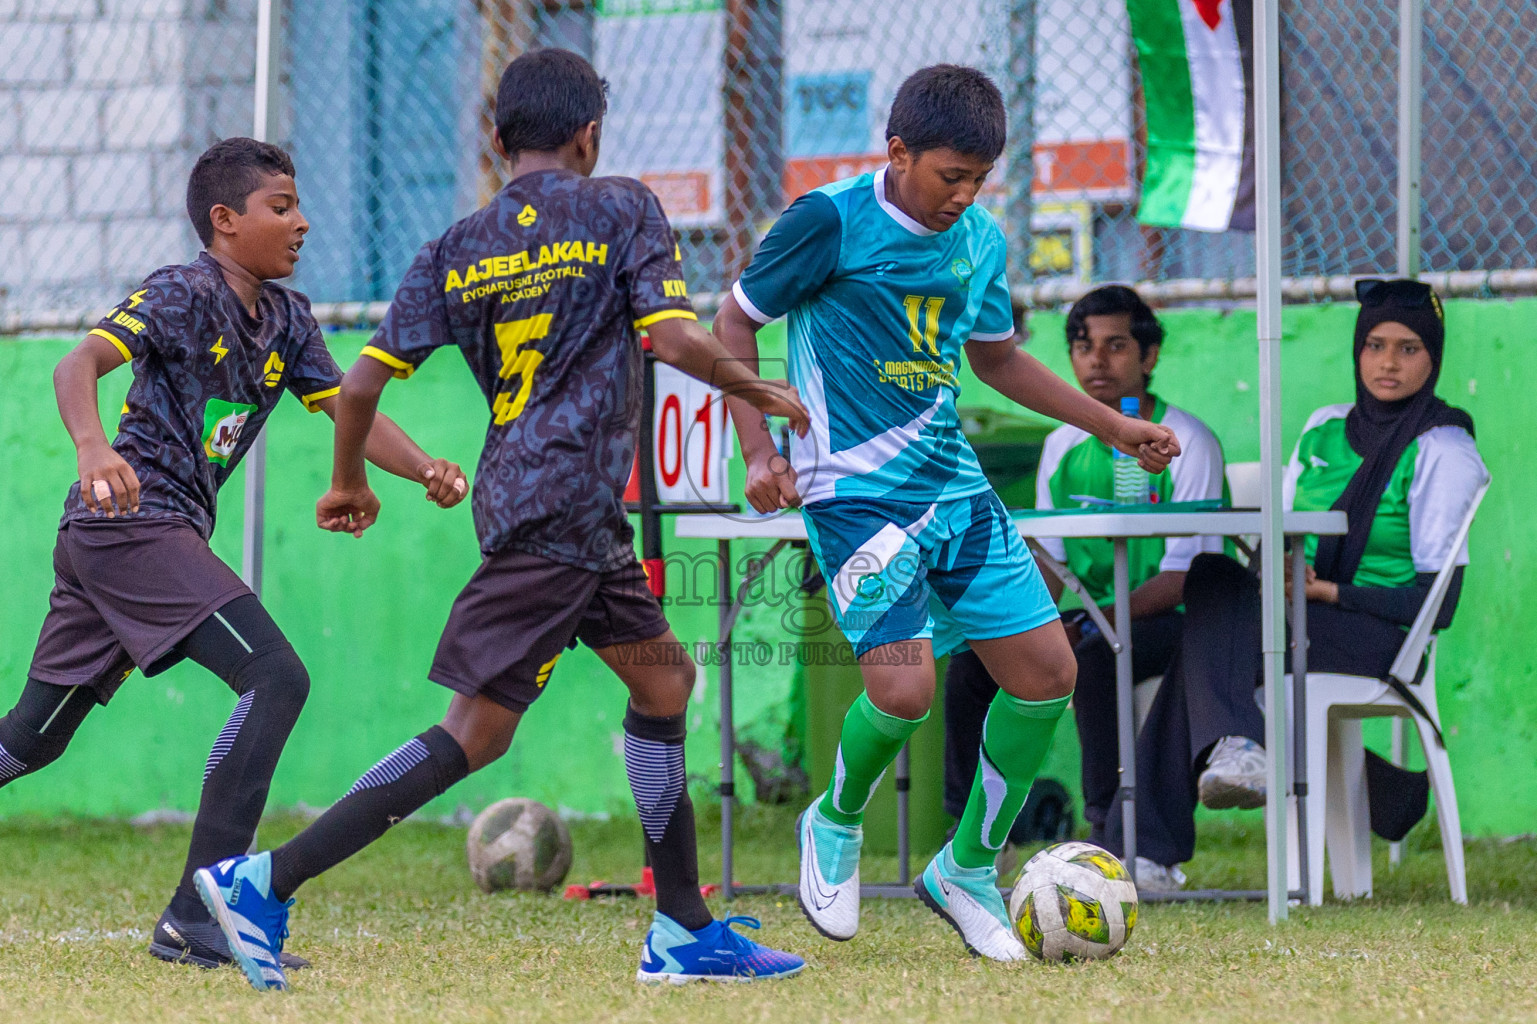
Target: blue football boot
x=713 y=953
x=238 y=893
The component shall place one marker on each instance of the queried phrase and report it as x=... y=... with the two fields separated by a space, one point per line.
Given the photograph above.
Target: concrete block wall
x=104 y=105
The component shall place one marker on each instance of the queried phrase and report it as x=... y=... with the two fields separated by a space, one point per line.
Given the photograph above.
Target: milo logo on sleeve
x=222 y=423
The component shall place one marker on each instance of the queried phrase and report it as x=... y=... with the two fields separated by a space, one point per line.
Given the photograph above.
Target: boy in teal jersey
x=884 y=278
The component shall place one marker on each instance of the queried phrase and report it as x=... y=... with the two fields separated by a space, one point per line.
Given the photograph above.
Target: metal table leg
x=730 y=608
x=727 y=717
x=1299 y=708
x=1126 y=729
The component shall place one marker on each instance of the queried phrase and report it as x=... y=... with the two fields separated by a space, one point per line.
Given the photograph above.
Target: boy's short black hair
x=546 y=97
x=1108 y=301
x=228 y=172
x=949 y=106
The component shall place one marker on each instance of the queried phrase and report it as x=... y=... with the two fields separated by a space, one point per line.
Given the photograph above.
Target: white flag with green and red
x=1197 y=65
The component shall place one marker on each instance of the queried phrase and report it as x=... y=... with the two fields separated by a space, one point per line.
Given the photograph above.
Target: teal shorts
x=950 y=571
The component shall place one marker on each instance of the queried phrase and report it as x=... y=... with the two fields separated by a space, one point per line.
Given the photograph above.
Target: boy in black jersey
x=543 y=291
x=214 y=344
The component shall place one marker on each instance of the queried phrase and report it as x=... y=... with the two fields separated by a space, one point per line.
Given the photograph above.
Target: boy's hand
x=446 y=482
x=107 y=481
x=771 y=484
x=347 y=511
x=1153 y=445
x=778 y=398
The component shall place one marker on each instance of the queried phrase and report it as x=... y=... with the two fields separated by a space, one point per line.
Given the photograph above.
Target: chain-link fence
x=728 y=109
x=1339 y=124
x=103 y=108
x=725 y=108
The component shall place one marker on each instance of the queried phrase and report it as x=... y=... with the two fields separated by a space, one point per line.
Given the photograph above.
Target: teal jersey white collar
x=878 y=187
x=879 y=308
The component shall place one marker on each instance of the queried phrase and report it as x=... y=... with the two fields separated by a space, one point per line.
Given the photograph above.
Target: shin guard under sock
x=653 y=760
x=388 y=793
x=1015 y=738
x=871 y=740
x=241 y=763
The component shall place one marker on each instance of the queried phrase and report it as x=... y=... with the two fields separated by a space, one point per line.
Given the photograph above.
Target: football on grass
x=1074 y=901
x=519 y=844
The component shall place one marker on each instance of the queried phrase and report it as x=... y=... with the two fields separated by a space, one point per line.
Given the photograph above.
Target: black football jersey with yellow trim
x=206 y=374
x=544 y=291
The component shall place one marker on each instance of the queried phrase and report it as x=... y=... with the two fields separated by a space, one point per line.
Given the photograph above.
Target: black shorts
x=520 y=612
x=125 y=593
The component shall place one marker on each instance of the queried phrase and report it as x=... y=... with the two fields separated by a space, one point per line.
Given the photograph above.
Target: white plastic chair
x=1337 y=809
x=1244 y=484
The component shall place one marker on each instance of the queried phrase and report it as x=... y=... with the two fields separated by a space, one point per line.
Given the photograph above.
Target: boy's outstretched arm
x=734 y=369
x=1009 y=370
x=770 y=477
x=350 y=506
x=683 y=344
x=107 y=482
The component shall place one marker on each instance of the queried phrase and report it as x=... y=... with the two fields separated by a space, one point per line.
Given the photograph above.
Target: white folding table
x=1115 y=525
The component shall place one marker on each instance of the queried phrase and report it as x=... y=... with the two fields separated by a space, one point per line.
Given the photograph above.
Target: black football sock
x=653 y=759
x=40 y=726
x=242 y=645
x=389 y=792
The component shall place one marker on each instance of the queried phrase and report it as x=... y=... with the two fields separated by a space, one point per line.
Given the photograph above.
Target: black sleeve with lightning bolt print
x=206 y=374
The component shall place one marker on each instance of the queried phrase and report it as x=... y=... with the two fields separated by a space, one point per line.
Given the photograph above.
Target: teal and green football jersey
x=879 y=307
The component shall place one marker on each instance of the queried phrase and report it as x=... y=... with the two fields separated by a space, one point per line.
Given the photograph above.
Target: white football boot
x=969 y=901
x=829 y=884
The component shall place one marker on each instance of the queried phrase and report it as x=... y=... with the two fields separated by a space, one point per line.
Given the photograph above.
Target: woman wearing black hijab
x=1403 y=466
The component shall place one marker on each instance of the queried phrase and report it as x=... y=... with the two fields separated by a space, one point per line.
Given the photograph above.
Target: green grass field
x=401 y=934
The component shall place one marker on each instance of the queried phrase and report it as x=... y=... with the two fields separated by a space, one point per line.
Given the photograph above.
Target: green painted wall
x=365 y=614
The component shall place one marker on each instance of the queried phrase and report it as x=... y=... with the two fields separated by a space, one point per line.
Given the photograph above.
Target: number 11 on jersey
x=923 y=329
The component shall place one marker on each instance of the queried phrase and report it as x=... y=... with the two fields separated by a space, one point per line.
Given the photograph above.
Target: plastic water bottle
x=1130 y=478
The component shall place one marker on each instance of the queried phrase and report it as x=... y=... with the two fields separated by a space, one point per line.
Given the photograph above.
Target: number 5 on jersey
x=518 y=362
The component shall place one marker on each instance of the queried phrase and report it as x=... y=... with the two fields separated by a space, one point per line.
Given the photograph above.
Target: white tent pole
x=268 y=28
x=268 y=25
x=1267 y=266
x=1411 y=38
x=1411 y=41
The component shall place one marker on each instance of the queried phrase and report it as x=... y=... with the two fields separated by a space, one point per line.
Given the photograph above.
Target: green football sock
x=1015 y=739
x=871 y=741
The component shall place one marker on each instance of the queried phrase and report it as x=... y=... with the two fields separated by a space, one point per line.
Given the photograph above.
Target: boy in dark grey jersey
x=544 y=291
x=214 y=344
